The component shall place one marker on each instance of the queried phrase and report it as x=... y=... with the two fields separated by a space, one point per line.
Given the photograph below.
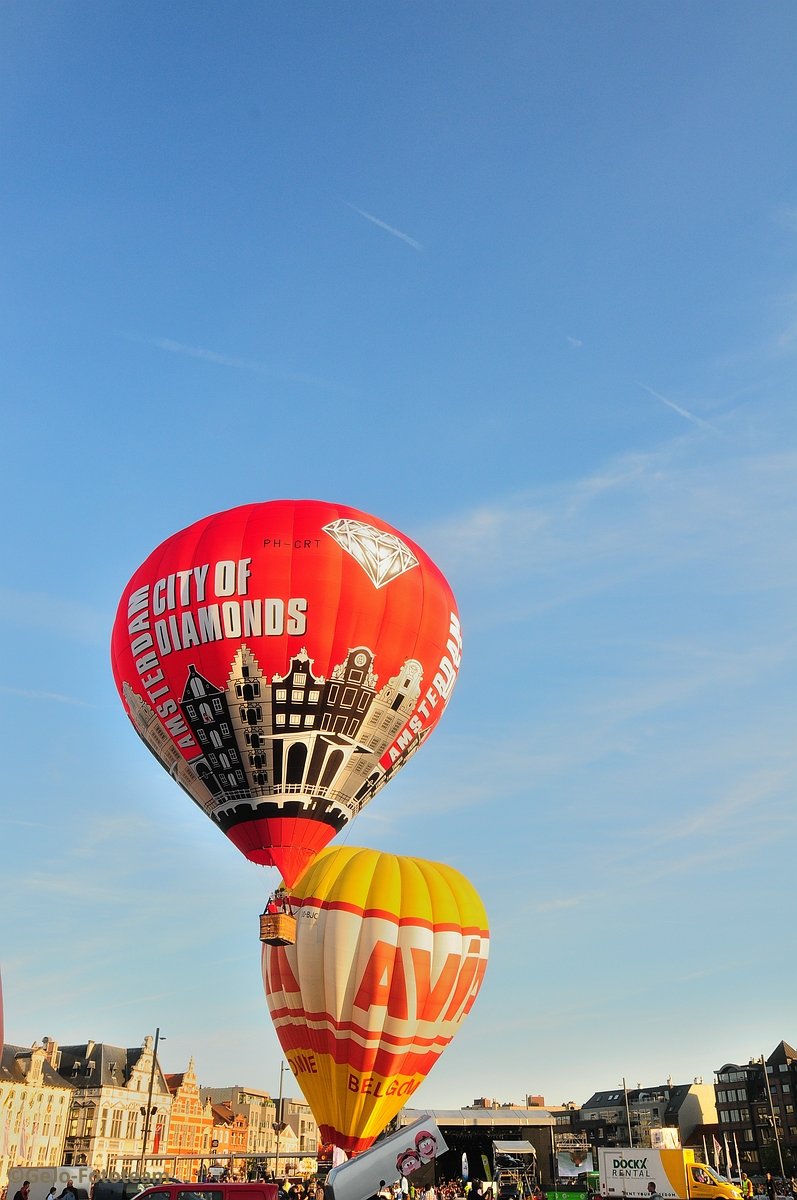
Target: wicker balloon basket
x=277 y=929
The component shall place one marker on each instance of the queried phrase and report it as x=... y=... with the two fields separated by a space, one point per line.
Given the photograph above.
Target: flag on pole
x=22 y=1146
x=717 y=1152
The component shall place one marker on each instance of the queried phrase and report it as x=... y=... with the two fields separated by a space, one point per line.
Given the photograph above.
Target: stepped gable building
x=756 y=1110
x=108 y=1114
x=190 y=1124
x=297 y=745
x=34 y=1108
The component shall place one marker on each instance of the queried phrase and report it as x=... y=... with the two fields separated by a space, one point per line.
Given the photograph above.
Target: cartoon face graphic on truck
x=407 y=1162
x=426 y=1145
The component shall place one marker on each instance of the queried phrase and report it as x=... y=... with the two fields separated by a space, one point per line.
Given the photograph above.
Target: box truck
x=641 y=1173
x=409 y=1154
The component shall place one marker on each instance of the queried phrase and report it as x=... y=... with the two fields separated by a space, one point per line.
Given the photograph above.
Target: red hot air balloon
x=282 y=661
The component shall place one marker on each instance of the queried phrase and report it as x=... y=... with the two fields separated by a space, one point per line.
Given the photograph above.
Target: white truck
x=402 y=1155
x=641 y=1173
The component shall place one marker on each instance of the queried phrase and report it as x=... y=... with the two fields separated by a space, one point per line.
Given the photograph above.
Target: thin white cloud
x=547 y=906
x=43 y=611
x=788 y=336
x=56 y=697
x=575 y=342
x=641 y=516
x=404 y=237
x=683 y=412
x=786 y=216
x=231 y=360
x=223 y=360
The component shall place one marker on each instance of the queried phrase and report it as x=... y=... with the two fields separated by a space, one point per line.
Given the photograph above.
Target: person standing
x=23 y=1192
x=770 y=1186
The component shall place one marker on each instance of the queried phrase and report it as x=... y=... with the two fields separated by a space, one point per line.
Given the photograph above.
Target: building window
x=297 y=695
x=313 y=696
x=281 y=694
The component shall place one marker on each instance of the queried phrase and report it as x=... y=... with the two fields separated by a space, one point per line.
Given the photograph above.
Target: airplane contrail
x=405 y=237
x=683 y=412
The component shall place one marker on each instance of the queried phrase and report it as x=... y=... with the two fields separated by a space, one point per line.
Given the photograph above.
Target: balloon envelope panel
x=389 y=956
x=282 y=661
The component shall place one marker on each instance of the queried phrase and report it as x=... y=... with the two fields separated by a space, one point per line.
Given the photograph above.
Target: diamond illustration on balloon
x=381 y=555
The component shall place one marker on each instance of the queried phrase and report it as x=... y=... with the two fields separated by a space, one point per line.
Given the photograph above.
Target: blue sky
x=521 y=279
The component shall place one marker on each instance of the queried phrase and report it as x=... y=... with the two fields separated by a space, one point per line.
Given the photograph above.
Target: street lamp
x=772 y=1116
x=149 y=1109
x=278 y=1126
x=628 y=1114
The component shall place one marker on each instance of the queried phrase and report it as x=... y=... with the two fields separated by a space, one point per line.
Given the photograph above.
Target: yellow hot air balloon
x=390 y=953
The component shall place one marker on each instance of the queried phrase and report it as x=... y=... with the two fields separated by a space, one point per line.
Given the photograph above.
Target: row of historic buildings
x=747 y=1116
x=112 y=1109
